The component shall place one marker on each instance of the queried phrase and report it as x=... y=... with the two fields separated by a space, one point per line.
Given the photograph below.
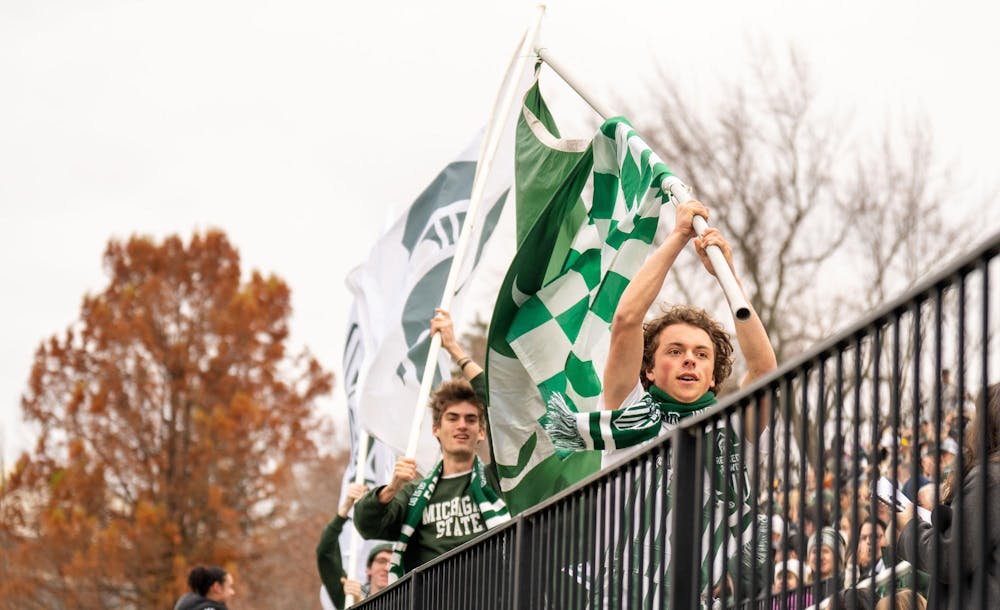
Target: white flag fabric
x=380 y=458
x=403 y=281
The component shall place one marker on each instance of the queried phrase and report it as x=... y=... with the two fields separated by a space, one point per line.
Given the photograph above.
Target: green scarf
x=620 y=428
x=491 y=507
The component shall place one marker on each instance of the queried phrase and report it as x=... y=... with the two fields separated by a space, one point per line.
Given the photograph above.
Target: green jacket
x=376 y=520
x=329 y=560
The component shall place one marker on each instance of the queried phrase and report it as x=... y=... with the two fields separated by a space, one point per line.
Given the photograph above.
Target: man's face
x=866 y=554
x=378 y=571
x=222 y=591
x=684 y=362
x=460 y=431
x=927 y=464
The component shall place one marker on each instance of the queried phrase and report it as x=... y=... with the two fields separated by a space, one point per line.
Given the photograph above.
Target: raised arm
x=442 y=323
x=750 y=333
x=625 y=352
x=328 y=557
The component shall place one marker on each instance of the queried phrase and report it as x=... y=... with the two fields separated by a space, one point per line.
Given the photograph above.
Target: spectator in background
x=831 y=555
x=950 y=399
x=331 y=565
x=786 y=579
x=925 y=496
x=906 y=599
x=963 y=496
x=211 y=588
x=866 y=551
x=949 y=449
x=924 y=475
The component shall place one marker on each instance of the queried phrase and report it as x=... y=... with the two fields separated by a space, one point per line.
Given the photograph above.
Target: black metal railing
x=703 y=516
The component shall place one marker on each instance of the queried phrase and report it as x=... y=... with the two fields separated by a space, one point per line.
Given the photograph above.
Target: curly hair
x=699 y=318
x=454 y=391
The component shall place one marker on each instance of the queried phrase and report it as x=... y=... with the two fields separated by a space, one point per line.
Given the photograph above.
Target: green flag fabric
x=587 y=214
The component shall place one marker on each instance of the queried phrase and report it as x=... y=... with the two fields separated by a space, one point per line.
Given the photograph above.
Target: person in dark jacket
x=955 y=531
x=212 y=588
x=331 y=564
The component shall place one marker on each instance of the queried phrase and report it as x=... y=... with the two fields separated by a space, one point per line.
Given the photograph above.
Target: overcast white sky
x=296 y=125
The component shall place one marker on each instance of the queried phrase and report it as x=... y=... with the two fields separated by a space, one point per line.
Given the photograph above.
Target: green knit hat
x=378 y=548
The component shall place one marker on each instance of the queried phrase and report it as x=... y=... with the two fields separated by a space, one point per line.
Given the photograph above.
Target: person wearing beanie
x=789 y=571
x=831 y=553
x=785 y=586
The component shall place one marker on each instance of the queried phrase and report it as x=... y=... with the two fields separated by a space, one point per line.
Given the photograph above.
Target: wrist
x=682 y=236
x=387 y=493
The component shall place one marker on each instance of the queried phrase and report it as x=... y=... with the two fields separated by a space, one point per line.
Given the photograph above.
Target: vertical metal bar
x=982 y=428
x=876 y=411
x=710 y=502
x=936 y=398
x=895 y=415
x=838 y=452
x=618 y=573
x=603 y=547
x=786 y=404
x=727 y=496
x=804 y=484
x=740 y=495
x=662 y=520
x=856 y=449
x=414 y=590
x=958 y=524
x=772 y=479
x=821 y=467
x=916 y=311
x=521 y=559
x=685 y=516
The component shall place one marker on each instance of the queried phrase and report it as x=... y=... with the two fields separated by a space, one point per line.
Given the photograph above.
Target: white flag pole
x=494 y=133
x=360 y=466
x=672 y=186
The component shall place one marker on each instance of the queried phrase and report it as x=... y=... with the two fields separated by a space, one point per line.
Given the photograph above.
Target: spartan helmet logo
x=433 y=225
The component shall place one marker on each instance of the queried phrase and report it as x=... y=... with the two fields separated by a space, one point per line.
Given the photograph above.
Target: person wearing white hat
x=786 y=574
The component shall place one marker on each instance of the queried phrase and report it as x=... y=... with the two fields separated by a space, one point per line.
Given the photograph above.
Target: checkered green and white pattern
x=595 y=210
x=551 y=328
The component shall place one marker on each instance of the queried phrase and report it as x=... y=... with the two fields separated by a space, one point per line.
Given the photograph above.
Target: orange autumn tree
x=169 y=417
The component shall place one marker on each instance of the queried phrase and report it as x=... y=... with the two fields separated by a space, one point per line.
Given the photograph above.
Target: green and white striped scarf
x=491 y=507
x=620 y=428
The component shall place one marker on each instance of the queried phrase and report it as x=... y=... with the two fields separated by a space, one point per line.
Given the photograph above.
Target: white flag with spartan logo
x=401 y=283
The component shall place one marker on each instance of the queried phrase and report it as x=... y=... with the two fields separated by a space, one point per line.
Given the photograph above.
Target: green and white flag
x=587 y=215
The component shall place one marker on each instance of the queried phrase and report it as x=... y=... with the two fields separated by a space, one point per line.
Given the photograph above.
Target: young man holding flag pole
x=556 y=372
x=457 y=501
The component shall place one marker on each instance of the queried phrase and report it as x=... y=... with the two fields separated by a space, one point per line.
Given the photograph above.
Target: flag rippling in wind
x=587 y=215
x=402 y=282
x=588 y=212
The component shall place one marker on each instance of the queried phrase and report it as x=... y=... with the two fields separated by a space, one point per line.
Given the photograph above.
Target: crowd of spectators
x=832 y=536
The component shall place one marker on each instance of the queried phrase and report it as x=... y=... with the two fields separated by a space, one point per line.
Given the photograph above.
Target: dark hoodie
x=193 y=601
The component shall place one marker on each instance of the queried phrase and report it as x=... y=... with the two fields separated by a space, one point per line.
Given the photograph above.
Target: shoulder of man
x=193 y=601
